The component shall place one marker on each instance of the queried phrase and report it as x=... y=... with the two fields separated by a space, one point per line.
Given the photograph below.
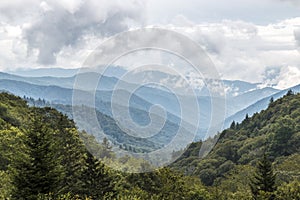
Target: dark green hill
x=275 y=131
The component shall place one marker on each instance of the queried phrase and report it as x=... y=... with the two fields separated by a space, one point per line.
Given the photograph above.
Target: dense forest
x=271 y=137
x=43 y=156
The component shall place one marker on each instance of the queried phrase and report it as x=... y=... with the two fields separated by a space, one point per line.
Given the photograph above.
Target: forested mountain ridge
x=43 y=156
x=274 y=132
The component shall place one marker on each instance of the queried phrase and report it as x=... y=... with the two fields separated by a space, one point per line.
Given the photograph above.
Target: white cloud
x=242 y=50
x=288 y=77
x=62 y=33
x=50 y=26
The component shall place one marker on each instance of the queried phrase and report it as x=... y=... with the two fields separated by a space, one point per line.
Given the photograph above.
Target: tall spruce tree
x=264 y=178
x=72 y=155
x=38 y=172
x=99 y=183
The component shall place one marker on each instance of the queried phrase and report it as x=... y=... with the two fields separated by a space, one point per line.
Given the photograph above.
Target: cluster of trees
x=44 y=156
x=38 y=103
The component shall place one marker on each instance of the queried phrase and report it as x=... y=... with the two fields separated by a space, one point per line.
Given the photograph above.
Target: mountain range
x=241 y=97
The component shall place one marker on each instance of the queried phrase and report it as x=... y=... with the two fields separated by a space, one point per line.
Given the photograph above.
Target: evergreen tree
x=271 y=100
x=264 y=179
x=72 y=156
x=98 y=181
x=232 y=126
x=38 y=172
x=247 y=117
x=289 y=93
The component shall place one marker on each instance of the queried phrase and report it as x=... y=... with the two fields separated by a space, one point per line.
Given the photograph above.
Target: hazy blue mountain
x=105 y=82
x=58 y=90
x=112 y=71
x=237 y=87
x=65 y=78
x=57 y=95
x=142 y=100
x=232 y=87
x=56 y=72
x=115 y=134
x=258 y=106
x=239 y=94
x=8 y=76
x=237 y=103
x=50 y=93
x=105 y=87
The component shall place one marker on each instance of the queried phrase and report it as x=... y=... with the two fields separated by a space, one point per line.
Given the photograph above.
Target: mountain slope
x=139 y=108
x=274 y=131
x=258 y=106
x=240 y=102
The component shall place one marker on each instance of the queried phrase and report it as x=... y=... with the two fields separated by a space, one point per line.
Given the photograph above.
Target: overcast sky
x=251 y=40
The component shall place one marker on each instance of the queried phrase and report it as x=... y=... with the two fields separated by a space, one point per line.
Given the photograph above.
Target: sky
x=250 y=40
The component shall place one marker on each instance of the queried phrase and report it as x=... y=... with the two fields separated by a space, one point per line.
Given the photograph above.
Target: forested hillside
x=43 y=156
x=230 y=167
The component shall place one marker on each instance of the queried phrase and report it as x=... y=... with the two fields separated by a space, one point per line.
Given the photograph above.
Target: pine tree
x=264 y=178
x=232 y=126
x=290 y=93
x=247 y=117
x=38 y=172
x=72 y=156
x=98 y=181
x=271 y=100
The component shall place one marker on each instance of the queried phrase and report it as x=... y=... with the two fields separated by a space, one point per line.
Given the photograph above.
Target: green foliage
x=233 y=125
x=5 y=185
x=275 y=131
x=263 y=182
x=39 y=172
x=44 y=156
x=167 y=184
x=287 y=168
x=288 y=191
x=235 y=184
x=98 y=179
x=284 y=128
x=9 y=139
x=71 y=154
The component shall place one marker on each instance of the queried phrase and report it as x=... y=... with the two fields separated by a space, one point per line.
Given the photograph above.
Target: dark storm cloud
x=57 y=27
